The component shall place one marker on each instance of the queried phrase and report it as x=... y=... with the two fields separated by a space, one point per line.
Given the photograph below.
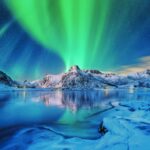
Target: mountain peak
x=82 y=79
x=74 y=68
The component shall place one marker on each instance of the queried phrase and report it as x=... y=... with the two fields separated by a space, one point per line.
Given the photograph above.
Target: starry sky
x=48 y=36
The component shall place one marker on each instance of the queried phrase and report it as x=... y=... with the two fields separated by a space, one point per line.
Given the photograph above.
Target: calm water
x=44 y=119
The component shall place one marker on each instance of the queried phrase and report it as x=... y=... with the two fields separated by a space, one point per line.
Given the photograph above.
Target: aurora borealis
x=41 y=36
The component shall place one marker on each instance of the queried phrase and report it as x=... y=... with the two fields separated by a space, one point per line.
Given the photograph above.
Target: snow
x=49 y=81
x=79 y=79
x=128 y=127
x=127 y=124
x=93 y=79
x=4 y=87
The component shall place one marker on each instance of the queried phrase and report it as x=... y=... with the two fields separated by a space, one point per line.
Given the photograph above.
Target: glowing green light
x=72 y=28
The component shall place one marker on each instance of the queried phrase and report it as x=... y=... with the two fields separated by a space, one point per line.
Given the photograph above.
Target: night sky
x=48 y=36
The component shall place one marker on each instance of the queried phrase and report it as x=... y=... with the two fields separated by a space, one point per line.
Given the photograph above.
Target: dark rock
x=5 y=79
x=74 y=68
x=148 y=71
x=102 y=129
x=93 y=71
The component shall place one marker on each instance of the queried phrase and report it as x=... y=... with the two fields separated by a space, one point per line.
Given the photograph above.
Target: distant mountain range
x=77 y=79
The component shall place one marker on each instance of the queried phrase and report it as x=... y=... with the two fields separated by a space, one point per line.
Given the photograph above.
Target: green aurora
x=66 y=26
x=89 y=33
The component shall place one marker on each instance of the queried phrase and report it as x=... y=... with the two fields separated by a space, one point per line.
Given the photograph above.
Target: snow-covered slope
x=76 y=78
x=93 y=79
x=140 y=79
x=49 y=81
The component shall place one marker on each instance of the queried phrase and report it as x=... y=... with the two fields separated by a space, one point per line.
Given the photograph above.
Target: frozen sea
x=74 y=120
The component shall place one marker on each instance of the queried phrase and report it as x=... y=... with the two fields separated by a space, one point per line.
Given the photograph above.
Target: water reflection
x=74 y=100
x=67 y=113
x=59 y=106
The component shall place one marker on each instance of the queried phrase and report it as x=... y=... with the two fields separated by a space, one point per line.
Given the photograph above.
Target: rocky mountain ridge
x=76 y=78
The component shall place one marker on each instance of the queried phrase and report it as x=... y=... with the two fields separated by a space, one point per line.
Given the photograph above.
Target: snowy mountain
x=73 y=79
x=76 y=78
